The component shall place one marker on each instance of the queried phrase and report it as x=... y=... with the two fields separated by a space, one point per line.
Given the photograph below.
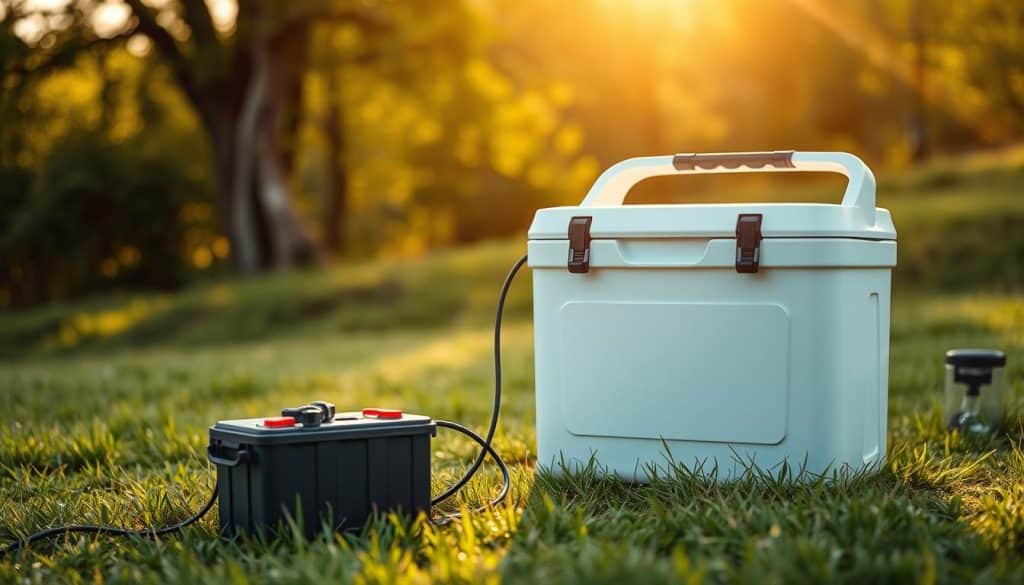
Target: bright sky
x=108 y=17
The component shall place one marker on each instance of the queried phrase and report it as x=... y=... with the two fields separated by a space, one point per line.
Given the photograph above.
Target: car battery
x=313 y=466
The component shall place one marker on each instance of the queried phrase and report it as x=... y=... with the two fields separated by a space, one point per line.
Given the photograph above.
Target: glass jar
x=975 y=385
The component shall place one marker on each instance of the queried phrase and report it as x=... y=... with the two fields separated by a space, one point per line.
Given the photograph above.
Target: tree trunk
x=917 y=123
x=236 y=89
x=248 y=253
x=262 y=226
x=334 y=228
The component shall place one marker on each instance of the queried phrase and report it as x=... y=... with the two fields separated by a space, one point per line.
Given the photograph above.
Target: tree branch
x=238 y=57
x=197 y=16
x=65 y=55
x=168 y=48
x=297 y=22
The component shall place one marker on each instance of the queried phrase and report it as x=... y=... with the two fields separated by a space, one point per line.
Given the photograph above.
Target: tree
x=336 y=189
x=245 y=85
x=989 y=35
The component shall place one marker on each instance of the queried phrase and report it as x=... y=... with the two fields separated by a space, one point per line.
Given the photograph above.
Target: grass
x=107 y=402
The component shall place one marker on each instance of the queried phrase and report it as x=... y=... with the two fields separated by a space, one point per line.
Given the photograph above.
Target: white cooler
x=713 y=336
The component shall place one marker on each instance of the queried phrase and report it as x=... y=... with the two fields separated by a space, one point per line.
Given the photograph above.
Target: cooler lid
x=855 y=217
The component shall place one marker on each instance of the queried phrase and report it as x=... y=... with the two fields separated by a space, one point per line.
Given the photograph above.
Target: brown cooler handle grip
x=780 y=159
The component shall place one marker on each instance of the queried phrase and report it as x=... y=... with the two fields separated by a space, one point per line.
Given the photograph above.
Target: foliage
x=103 y=189
x=415 y=125
x=100 y=215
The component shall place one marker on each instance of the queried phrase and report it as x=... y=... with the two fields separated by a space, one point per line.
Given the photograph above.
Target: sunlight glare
x=109 y=19
x=224 y=13
x=44 y=5
x=31 y=28
x=674 y=10
x=139 y=45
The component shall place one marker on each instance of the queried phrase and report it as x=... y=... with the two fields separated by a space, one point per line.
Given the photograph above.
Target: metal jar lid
x=976 y=358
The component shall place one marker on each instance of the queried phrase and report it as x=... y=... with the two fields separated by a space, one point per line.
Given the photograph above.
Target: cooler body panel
x=643 y=363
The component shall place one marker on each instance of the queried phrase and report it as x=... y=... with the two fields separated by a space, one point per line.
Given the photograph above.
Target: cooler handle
x=611 y=187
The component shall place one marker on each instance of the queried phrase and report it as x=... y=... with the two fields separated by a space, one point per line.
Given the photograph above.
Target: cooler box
x=713 y=336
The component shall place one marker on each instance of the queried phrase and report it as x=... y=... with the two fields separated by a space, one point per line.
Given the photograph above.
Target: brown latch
x=748 y=242
x=579 y=244
x=780 y=159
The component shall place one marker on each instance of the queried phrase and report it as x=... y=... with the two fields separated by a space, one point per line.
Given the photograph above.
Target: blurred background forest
x=145 y=144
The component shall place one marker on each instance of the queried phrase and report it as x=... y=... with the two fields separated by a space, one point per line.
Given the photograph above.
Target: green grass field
x=107 y=402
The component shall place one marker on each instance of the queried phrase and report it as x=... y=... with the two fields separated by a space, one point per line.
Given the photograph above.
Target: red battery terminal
x=382 y=413
x=279 y=422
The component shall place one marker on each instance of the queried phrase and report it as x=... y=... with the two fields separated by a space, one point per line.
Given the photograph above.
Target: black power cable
x=495 y=408
x=111 y=530
x=506 y=480
x=484 y=442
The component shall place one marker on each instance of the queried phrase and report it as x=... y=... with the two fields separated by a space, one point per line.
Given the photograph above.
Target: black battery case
x=336 y=474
